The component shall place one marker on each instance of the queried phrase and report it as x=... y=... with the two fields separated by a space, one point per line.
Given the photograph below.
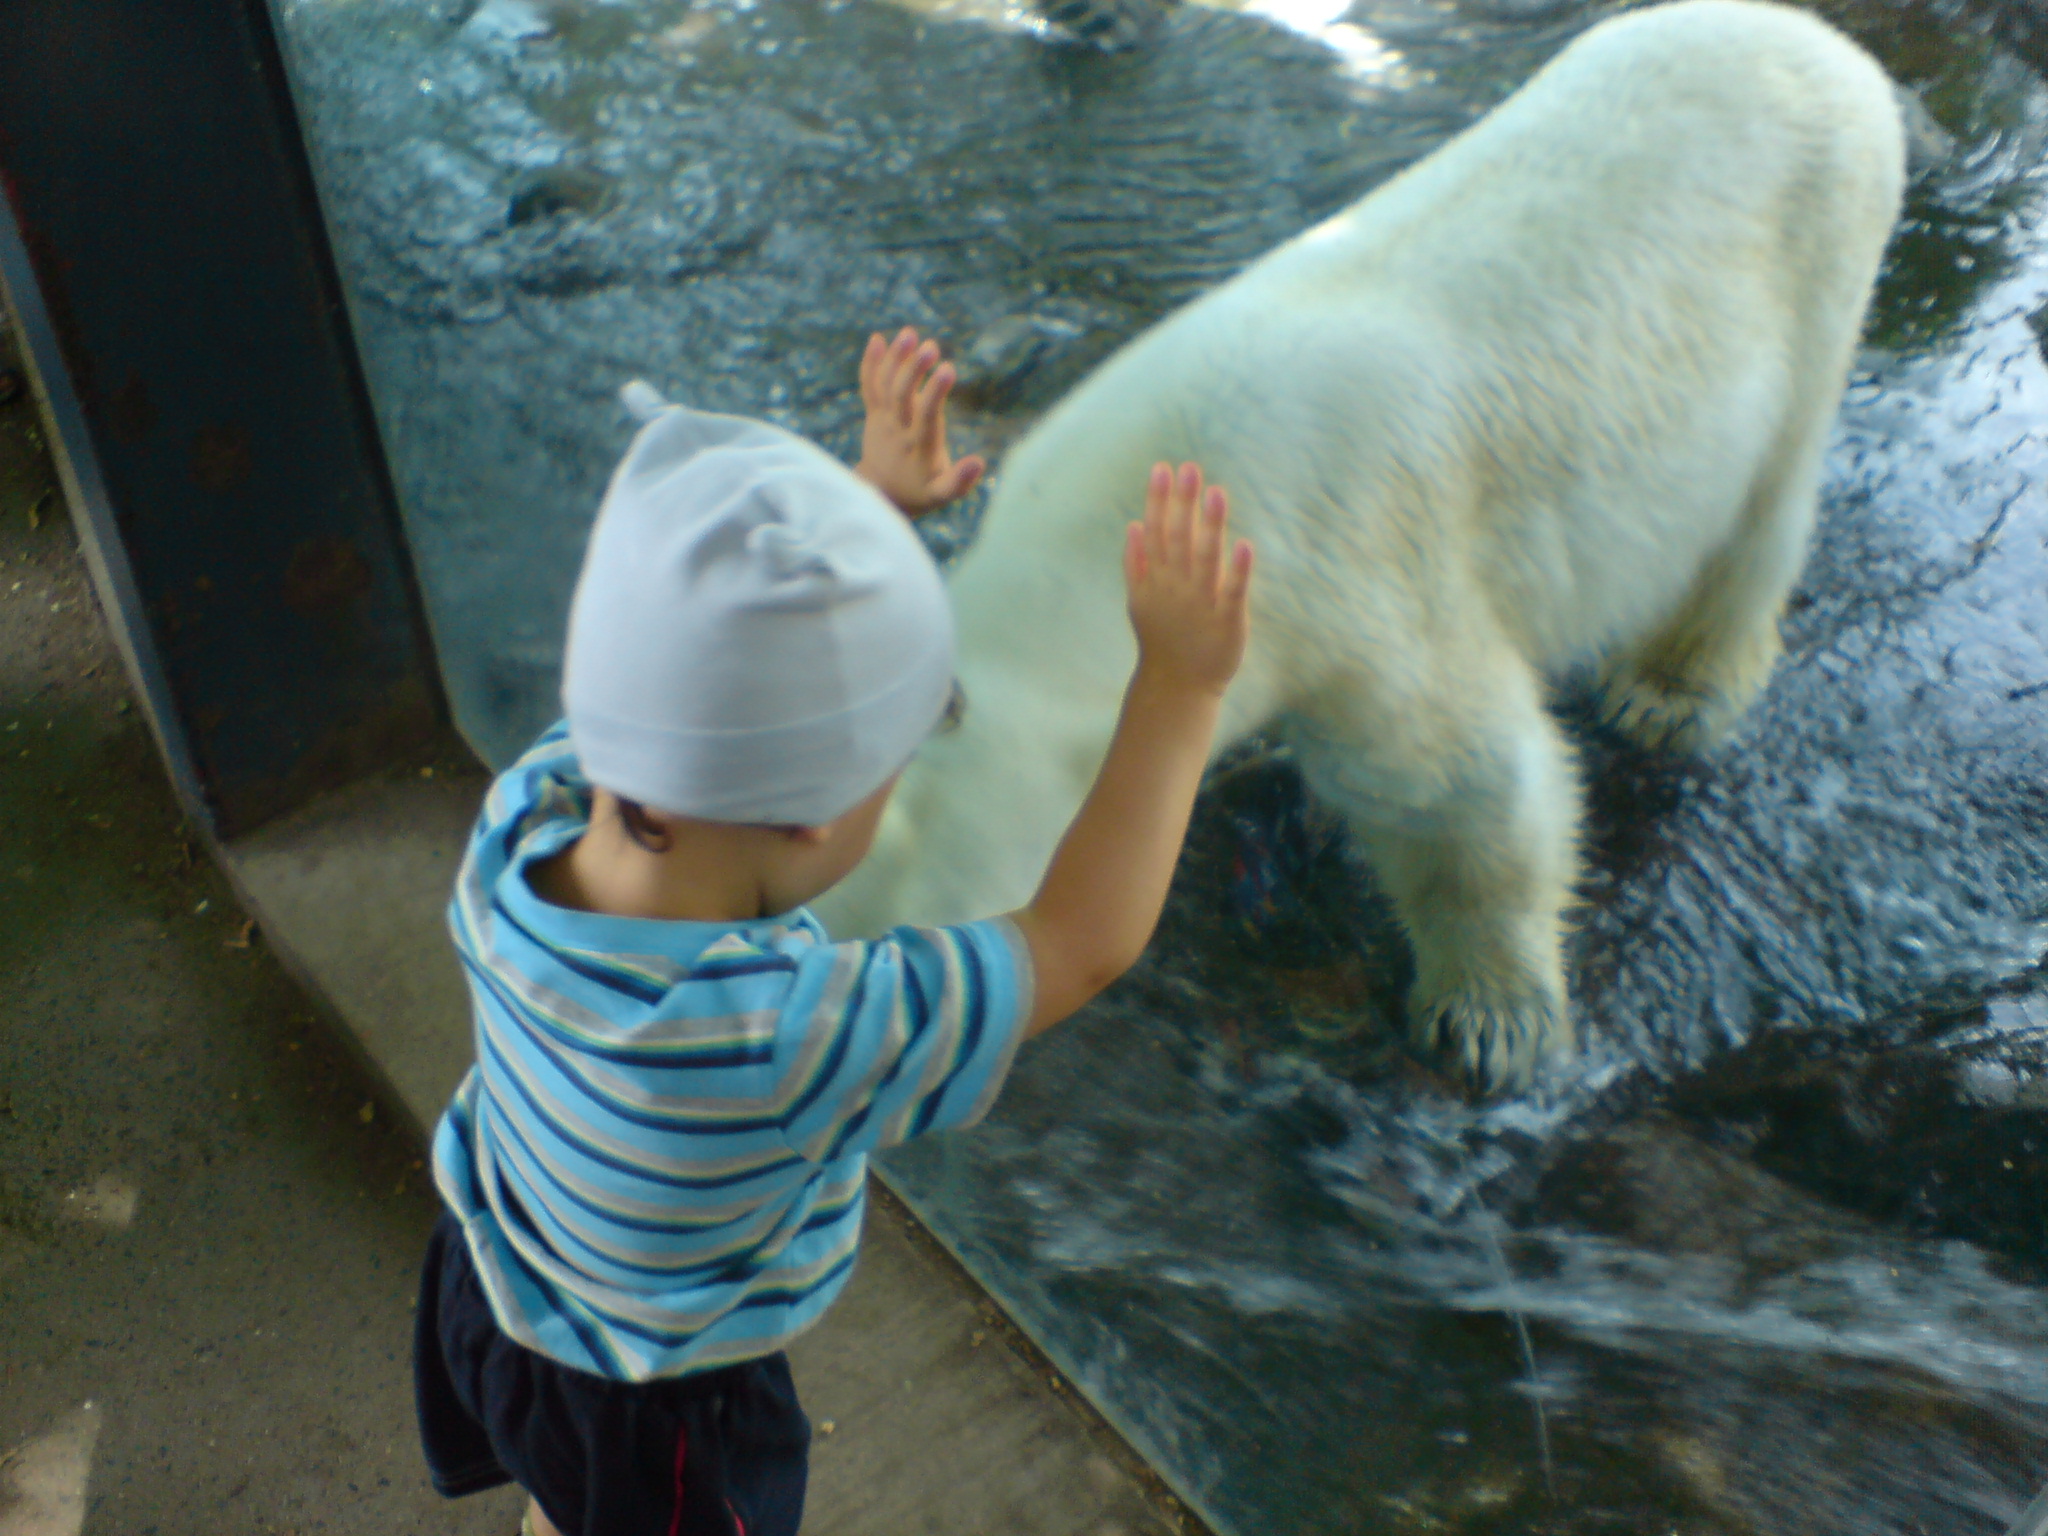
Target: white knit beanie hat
x=757 y=635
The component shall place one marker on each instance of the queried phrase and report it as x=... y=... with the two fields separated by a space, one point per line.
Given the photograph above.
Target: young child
x=654 y=1172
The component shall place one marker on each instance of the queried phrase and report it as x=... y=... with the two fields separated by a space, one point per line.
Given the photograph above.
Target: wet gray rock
x=506 y=21
x=997 y=364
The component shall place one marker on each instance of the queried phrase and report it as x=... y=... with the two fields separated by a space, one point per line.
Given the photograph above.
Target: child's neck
x=690 y=880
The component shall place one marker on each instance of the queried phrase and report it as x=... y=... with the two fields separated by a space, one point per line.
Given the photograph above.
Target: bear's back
x=1538 y=367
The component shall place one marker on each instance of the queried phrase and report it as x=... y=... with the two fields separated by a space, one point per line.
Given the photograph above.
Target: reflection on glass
x=1771 y=1257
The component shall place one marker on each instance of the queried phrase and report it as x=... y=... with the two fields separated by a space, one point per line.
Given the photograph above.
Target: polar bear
x=1555 y=395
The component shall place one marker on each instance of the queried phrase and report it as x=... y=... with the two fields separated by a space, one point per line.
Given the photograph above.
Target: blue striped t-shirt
x=660 y=1155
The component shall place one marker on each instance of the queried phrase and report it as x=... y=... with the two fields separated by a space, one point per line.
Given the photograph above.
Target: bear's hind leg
x=1468 y=809
x=1687 y=686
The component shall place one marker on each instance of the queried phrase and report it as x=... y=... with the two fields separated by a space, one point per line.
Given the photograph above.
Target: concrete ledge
x=352 y=893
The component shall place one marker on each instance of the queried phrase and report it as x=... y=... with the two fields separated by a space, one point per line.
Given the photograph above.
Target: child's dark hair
x=640 y=826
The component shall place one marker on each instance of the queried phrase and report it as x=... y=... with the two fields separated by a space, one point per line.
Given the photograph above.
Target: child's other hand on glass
x=903 y=449
x=1189 y=584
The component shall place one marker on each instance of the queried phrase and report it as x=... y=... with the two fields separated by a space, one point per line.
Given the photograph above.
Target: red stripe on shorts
x=675 y=1521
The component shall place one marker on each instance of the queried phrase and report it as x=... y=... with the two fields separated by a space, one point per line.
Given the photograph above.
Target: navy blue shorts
x=721 y=1453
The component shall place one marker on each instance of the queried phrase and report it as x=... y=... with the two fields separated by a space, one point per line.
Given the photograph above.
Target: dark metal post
x=162 y=242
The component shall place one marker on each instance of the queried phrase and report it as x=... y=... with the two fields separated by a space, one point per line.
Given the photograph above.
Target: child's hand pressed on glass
x=903 y=451
x=1189 y=588
x=1189 y=584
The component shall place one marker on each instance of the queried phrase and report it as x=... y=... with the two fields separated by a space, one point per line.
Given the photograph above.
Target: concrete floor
x=211 y=1191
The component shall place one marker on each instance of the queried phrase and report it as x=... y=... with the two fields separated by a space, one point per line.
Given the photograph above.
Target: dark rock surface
x=1769 y=1257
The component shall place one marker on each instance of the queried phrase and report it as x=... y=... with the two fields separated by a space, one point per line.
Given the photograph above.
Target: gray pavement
x=211 y=1191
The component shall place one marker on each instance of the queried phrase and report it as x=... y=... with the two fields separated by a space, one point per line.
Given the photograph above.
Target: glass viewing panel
x=1772 y=1255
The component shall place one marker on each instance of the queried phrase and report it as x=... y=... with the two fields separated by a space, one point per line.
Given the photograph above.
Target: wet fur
x=1556 y=395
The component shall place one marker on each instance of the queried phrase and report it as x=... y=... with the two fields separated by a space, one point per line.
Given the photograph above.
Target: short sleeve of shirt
x=882 y=1041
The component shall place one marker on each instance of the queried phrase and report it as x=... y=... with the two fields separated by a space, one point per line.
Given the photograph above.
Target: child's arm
x=1103 y=892
x=903 y=450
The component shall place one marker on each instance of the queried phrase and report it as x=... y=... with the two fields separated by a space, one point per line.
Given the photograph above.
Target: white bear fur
x=1557 y=394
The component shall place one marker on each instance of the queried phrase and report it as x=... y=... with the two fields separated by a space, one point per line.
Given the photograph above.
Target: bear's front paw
x=1688 y=705
x=1497 y=1036
x=1665 y=719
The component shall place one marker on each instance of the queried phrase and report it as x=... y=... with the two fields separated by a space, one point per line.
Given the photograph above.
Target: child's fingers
x=1158 y=492
x=966 y=473
x=896 y=375
x=1187 y=491
x=1205 y=540
x=1134 y=555
x=900 y=352
x=928 y=410
x=910 y=381
x=871 y=367
x=900 y=347
x=884 y=374
x=1237 y=576
x=916 y=374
